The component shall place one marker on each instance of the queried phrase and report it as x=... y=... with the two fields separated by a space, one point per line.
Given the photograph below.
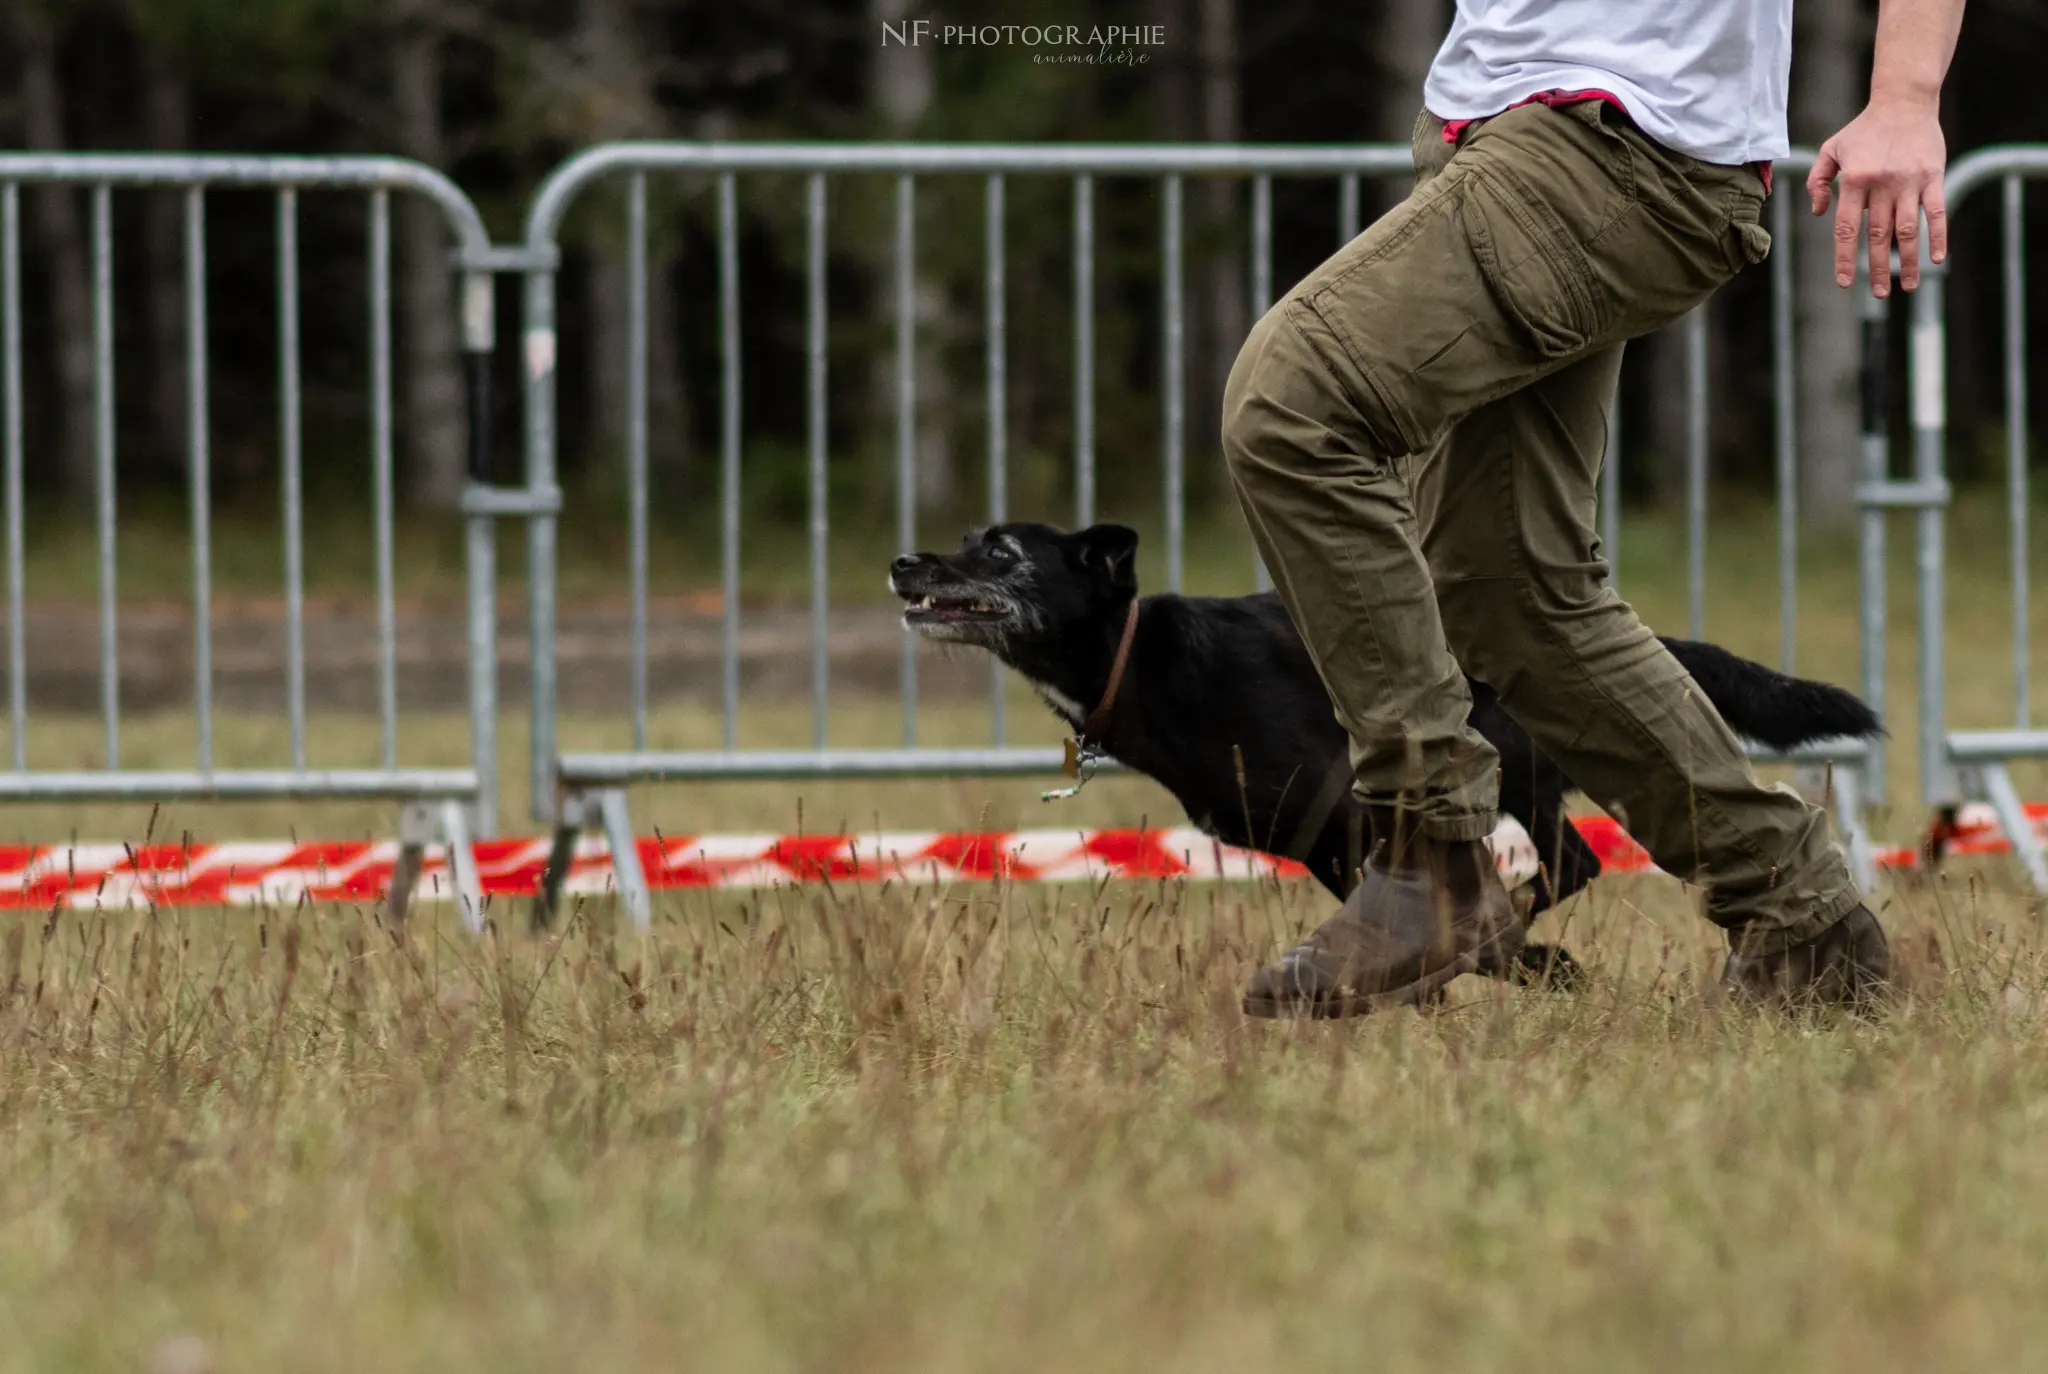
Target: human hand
x=1889 y=160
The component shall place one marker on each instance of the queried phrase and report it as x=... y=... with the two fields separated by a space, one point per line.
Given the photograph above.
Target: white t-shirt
x=1707 y=77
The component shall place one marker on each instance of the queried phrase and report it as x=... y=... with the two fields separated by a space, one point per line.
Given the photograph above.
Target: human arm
x=1889 y=159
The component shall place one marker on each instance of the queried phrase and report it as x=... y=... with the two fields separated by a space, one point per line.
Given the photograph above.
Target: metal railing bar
x=291 y=463
x=636 y=446
x=103 y=463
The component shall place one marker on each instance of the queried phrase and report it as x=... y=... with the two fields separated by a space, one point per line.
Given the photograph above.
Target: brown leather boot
x=1849 y=965
x=1427 y=911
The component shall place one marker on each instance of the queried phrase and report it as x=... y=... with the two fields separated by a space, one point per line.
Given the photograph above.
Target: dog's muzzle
x=931 y=607
x=946 y=608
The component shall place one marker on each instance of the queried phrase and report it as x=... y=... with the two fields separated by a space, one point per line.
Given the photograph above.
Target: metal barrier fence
x=442 y=805
x=576 y=788
x=572 y=790
x=1974 y=763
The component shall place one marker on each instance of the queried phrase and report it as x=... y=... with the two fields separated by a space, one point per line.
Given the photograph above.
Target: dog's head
x=1010 y=584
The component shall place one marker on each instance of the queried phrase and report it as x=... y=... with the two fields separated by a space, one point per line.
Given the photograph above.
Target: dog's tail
x=1770 y=707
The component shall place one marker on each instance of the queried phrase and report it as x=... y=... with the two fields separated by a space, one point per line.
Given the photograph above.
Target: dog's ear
x=1110 y=552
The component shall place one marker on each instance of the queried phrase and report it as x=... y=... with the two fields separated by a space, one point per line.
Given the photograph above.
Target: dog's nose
x=905 y=563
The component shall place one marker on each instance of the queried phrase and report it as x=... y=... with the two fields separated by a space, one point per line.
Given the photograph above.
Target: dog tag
x=1079 y=765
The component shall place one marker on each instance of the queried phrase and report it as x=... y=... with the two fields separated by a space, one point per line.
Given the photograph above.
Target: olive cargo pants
x=1480 y=325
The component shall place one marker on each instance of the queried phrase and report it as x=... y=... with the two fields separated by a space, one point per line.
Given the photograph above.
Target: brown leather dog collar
x=1098 y=719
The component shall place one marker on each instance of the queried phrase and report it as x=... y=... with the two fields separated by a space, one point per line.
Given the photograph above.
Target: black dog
x=1220 y=704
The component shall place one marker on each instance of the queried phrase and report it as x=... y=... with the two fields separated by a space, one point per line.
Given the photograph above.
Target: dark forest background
x=496 y=92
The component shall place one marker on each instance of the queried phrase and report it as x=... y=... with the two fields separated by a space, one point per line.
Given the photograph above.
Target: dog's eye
x=1002 y=553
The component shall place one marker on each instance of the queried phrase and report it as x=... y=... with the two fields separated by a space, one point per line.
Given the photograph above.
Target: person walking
x=1587 y=171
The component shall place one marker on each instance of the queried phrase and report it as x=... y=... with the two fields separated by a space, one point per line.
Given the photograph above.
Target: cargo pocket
x=1538 y=273
x=1748 y=242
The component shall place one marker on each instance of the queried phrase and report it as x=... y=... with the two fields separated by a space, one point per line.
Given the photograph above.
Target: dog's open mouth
x=938 y=609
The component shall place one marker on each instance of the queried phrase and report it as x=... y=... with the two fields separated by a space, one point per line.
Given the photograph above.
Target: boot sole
x=1503 y=947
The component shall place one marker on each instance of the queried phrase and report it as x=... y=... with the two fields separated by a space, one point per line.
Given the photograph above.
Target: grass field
x=1005 y=1128
x=1001 y=1129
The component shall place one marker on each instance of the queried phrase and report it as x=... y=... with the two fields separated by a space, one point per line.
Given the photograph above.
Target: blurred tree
x=1410 y=33
x=904 y=83
x=167 y=65
x=1831 y=64
x=1221 y=316
x=61 y=230
x=610 y=95
x=433 y=425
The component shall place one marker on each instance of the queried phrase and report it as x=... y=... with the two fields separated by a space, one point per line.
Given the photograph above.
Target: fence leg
x=1811 y=781
x=445 y=823
x=1848 y=806
x=469 y=889
x=618 y=834
x=1839 y=787
x=569 y=823
x=415 y=833
x=2012 y=818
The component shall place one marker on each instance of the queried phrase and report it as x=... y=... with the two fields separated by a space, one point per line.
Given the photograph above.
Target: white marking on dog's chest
x=1061 y=702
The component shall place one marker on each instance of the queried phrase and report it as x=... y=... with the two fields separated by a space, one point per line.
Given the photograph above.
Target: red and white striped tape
x=259 y=873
